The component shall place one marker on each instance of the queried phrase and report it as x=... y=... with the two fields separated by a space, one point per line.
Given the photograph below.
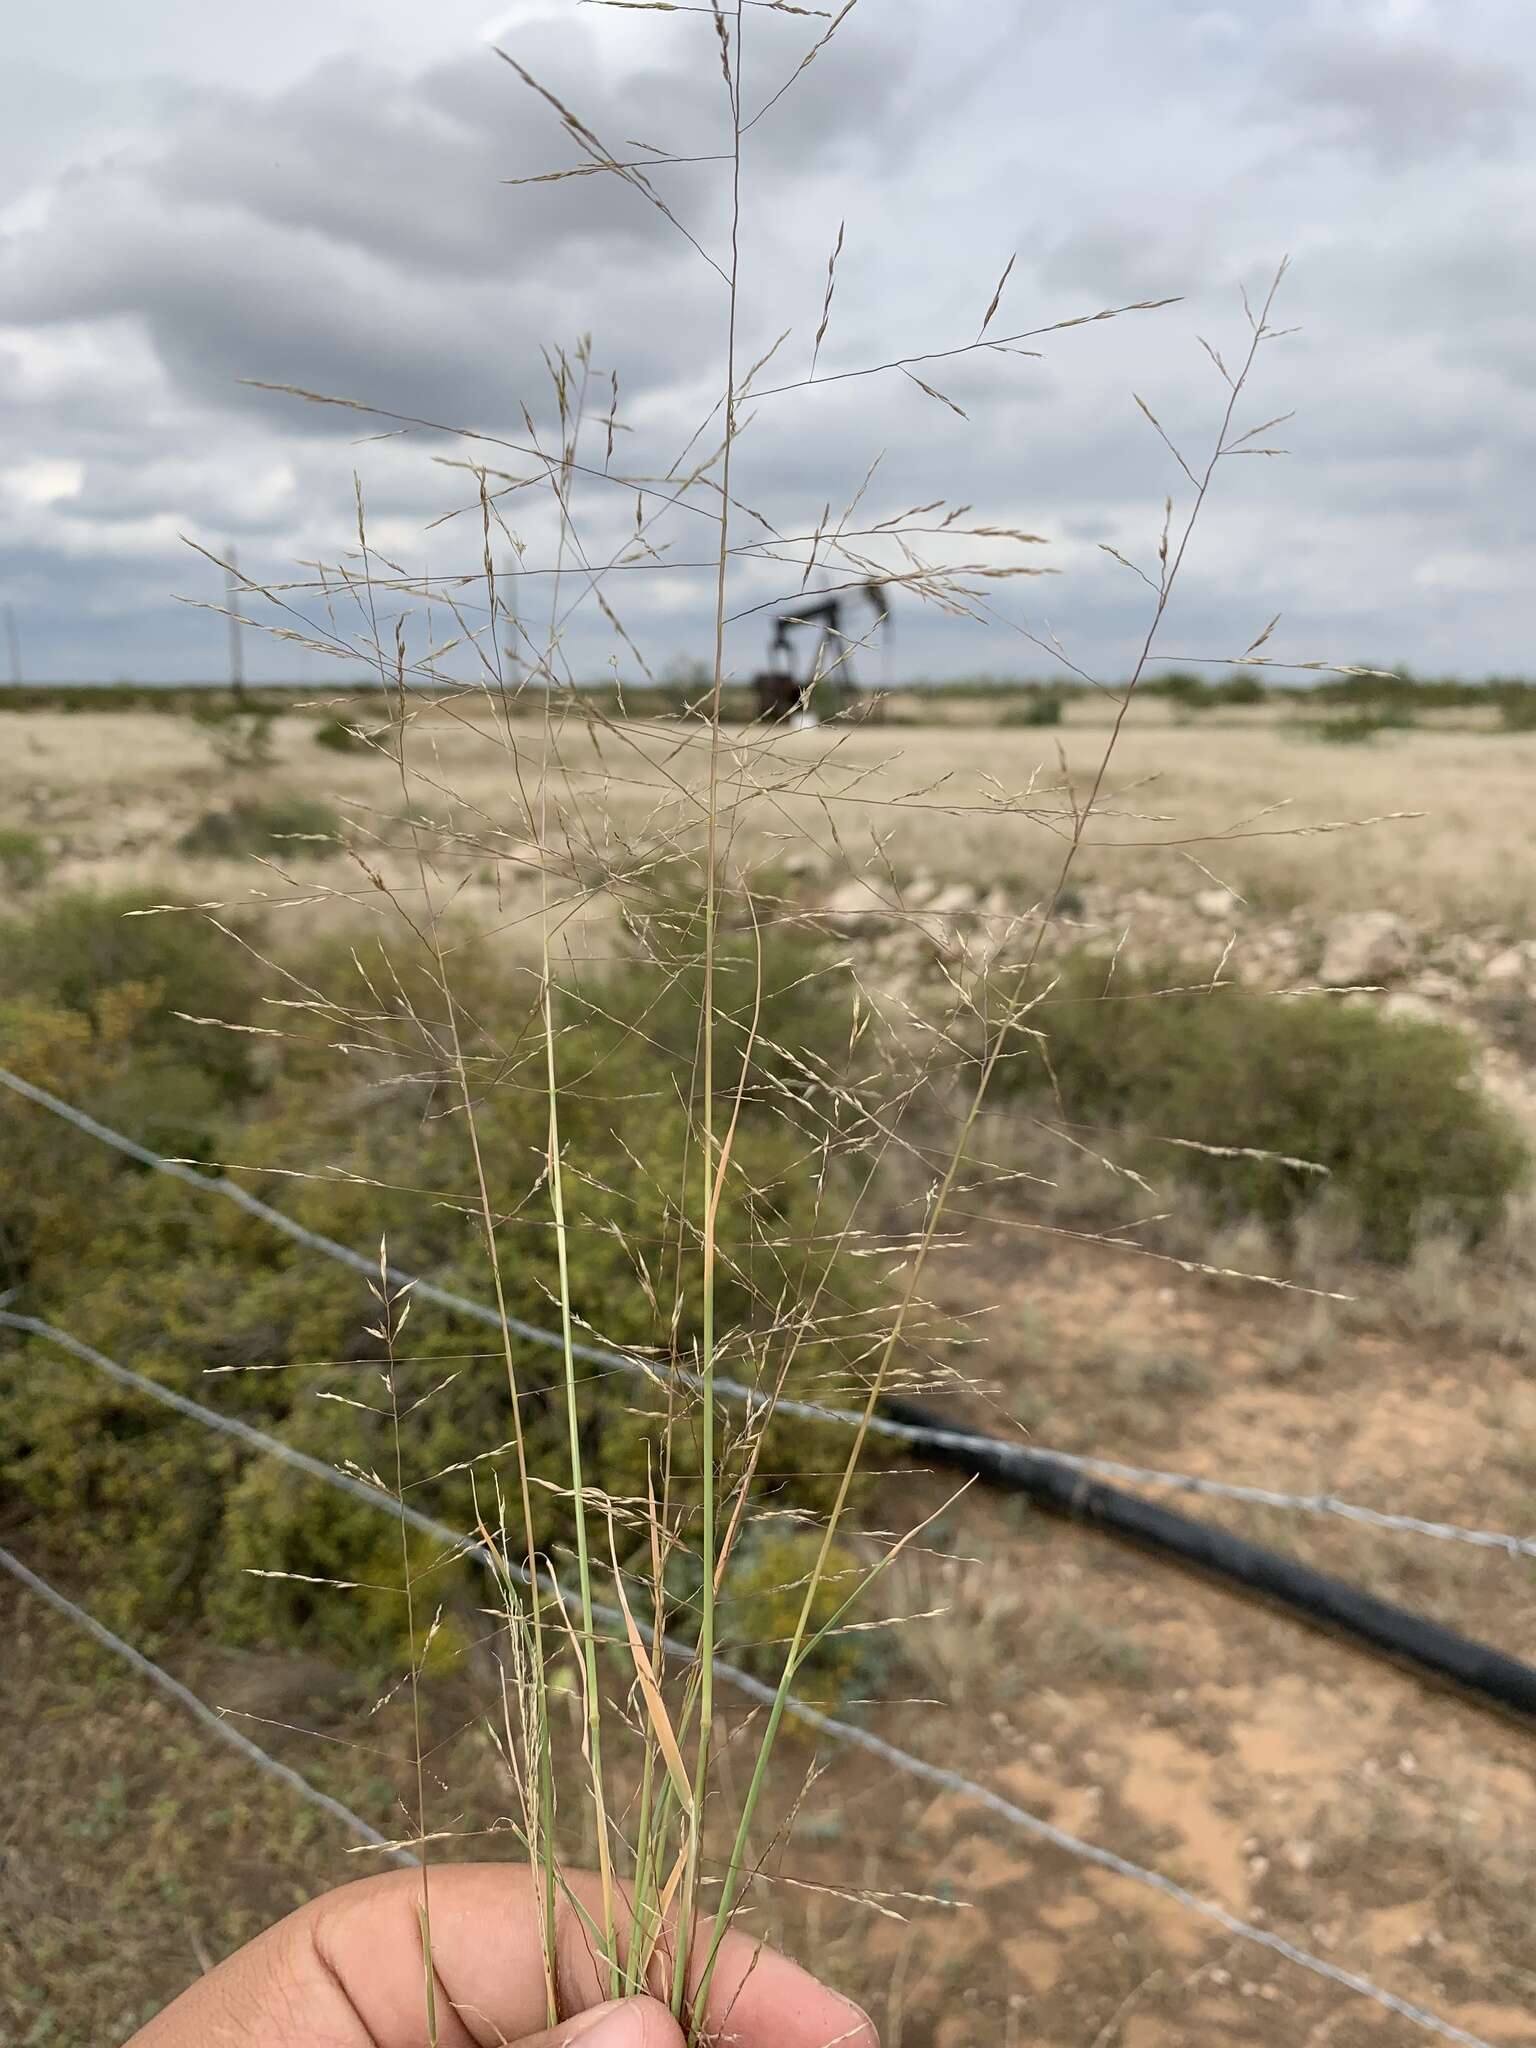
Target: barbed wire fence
x=846 y=1733
x=917 y=1436
x=208 y=1717
x=457 y=1544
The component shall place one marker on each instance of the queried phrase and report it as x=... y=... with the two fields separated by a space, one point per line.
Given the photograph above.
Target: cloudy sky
x=314 y=192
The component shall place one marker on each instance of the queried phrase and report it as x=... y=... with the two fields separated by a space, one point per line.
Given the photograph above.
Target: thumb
x=623 y=2023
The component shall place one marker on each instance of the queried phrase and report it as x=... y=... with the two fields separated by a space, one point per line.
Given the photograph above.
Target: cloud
x=1405 y=98
x=342 y=221
x=42 y=481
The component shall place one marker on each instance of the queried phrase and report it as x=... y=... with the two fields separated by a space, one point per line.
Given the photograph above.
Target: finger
x=758 y=1998
x=621 y=2023
x=487 y=1958
x=487 y=1955
x=347 y=1971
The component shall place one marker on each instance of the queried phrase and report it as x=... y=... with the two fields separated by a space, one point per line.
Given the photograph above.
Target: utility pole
x=513 y=648
x=236 y=653
x=13 y=642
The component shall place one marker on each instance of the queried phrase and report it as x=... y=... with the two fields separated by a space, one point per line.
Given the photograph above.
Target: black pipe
x=1403 y=1636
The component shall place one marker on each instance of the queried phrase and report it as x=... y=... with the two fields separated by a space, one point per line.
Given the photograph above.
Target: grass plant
x=650 y=1732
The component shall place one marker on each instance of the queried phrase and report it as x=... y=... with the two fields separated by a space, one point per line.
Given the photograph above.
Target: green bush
x=23 y=858
x=1042 y=708
x=172 y=1281
x=763 y=1593
x=51 y=1182
x=129 y=973
x=241 y=736
x=1359 y=728
x=1243 y=688
x=1182 y=688
x=119 y=1486
x=1389 y=1106
x=340 y=736
x=295 y=827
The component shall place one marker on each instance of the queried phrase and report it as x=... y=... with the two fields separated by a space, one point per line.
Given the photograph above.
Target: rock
x=856 y=906
x=1420 y=1009
x=1508 y=1080
x=920 y=892
x=955 y=899
x=1217 y=903
x=1364 y=946
x=800 y=865
x=1436 y=987
x=1458 y=954
x=1507 y=969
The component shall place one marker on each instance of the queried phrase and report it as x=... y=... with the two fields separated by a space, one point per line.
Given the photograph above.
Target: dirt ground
x=1346 y=1805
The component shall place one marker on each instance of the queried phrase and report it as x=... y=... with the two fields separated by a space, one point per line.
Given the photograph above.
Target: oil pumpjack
x=828 y=683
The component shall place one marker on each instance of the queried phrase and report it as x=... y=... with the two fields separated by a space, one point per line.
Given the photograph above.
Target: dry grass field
x=1433 y=814
x=1342 y=1803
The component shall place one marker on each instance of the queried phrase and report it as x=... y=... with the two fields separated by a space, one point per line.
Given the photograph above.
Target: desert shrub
x=1354 y=729
x=339 y=735
x=138 y=979
x=1359 y=728
x=119 y=1486
x=50 y=1179
x=1517 y=707
x=1389 y=1106
x=1243 y=688
x=1189 y=692
x=1040 y=709
x=761 y=1601
x=172 y=1282
x=23 y=858
x=800 y=998
x=295 y=827
x=273 y=1519
x=240 y=735
x=1182 y=688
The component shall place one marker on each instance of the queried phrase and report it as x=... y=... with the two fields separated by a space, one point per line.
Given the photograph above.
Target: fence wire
x=915 y=1436
x=845 y=1733
x=200 y=1710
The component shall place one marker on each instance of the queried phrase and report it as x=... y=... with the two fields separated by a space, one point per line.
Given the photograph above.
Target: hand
x=345 y=1971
